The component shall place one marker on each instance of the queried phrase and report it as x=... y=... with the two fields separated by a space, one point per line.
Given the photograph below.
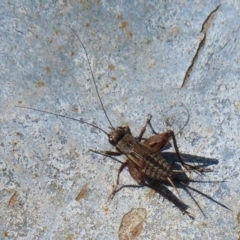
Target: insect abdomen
x=157 y=167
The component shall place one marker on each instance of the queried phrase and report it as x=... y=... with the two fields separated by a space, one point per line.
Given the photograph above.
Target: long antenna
x=91 y=74
x=59 y=115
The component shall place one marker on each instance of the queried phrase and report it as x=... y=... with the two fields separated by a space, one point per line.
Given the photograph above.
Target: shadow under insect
x=181 y=181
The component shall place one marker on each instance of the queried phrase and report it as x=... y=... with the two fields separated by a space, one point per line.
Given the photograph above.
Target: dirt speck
x=204 y=224
x=12 y=201
x=57 y=32
x=238 y=217
x=129 y=34
x=5 y=234
x=148 y=41
x=48 y=69
x=124 y=24
x=105 y=209
x=111 y=67
x=75 y=109
x=40 y=83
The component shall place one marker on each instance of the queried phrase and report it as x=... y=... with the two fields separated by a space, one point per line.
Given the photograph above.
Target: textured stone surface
x=139 y=52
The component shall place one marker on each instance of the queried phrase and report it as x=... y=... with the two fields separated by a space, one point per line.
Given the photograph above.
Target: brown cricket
x=143 y=159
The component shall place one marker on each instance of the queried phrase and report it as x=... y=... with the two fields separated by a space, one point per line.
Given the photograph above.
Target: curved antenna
x=181 y=129
x=186 y=123
x=91 y=75
x=59 y=115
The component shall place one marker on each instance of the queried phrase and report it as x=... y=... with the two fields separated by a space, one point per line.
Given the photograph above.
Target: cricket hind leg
x=187 y=166
x=156 y=138
x=156 y=142
x=171 y=182
x=159 y=141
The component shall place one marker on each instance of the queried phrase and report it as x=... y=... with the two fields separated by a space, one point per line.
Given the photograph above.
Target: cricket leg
x=107 y=153
x=184 y=164
x=158 y=142
x=174 y=187
x=166 y=193
x=134 y=172
x=118 y=176
x=139 y=177
x=144 y=128
x=120 y=170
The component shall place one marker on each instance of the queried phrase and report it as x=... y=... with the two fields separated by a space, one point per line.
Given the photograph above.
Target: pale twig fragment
x=12 y=201
x=83 y=193
x=132 y=224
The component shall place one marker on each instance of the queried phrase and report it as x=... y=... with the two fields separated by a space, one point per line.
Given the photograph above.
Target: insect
x=143 y=160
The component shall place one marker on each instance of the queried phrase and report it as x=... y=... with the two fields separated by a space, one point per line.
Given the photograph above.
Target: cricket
x=143 y=160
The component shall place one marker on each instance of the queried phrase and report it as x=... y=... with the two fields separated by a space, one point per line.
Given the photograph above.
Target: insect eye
x=111 y=140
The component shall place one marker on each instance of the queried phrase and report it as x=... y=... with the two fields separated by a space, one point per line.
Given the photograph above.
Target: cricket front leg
x=144 y=127
x=107 y=153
